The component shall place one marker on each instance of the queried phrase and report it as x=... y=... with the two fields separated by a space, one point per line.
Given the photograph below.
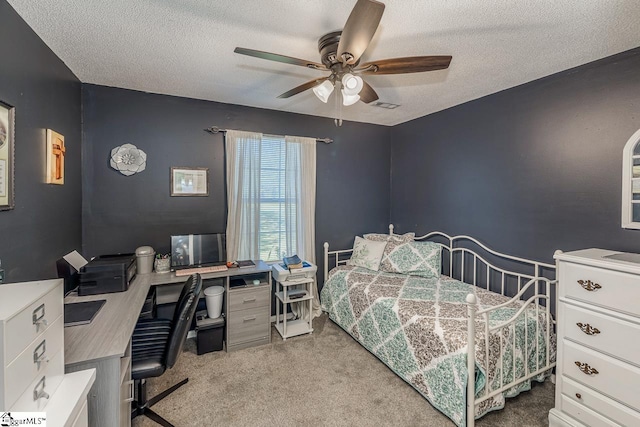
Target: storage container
x=144 y=256
x=213 y=295
x=210 y=333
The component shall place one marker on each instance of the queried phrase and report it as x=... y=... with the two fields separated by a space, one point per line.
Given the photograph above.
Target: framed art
x=189 y=181
x=55 y=158
x=7 y=122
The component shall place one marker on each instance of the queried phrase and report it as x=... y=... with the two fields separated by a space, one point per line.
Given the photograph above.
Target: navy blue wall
x=528 y=170
x=46 y=221
x=121 y=213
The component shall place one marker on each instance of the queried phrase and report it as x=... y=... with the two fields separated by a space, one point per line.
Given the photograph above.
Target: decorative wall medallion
x=128 y=159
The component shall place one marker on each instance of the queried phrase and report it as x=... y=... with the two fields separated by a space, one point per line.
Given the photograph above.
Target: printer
x=106 y=274
x=282 y=274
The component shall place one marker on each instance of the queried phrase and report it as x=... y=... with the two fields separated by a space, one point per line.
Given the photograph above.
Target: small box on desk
x=210 y=333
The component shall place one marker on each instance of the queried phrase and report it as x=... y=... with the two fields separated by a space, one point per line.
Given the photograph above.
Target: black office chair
x=156 y=345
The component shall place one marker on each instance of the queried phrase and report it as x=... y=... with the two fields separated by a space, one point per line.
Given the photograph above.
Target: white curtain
x=300 y=205
x=244 y=157
x=243 y=194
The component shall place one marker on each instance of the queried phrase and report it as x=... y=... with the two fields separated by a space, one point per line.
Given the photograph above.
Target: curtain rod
x=216 y=129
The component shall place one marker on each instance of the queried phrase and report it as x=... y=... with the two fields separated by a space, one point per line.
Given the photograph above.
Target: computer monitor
x=197 y=250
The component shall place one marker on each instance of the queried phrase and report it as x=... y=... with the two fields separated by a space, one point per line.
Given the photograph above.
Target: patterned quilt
x=418 y=327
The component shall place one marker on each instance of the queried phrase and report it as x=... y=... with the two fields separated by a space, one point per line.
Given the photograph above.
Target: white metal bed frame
x=533 y=282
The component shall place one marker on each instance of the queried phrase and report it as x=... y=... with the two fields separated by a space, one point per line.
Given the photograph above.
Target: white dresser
x=598 y=369
x=32 y=377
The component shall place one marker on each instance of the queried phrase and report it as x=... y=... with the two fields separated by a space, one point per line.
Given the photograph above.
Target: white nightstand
x=296 y=327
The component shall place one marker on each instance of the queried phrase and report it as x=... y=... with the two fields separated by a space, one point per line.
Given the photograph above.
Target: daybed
x=420 y=324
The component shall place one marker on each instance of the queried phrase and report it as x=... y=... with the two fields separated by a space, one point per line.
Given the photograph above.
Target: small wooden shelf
x=291 y=328
x=294 y=327
x=280 y=296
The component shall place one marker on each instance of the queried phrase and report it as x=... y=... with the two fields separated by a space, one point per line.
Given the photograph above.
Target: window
x=631 y=183
x=271 y=192
x=274 y=241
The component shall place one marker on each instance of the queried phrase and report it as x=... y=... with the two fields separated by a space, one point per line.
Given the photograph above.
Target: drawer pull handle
x=586 y=369
x=588 y=285
x=131 y=396
x=38 y=391
x=578 y=395
x=39 y=354
x=247 y=319
x=249 y=299
x=38 y=317
x=588 y=329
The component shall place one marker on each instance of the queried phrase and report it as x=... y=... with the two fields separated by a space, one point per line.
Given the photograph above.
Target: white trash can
x=144 y=255
x=213 y=296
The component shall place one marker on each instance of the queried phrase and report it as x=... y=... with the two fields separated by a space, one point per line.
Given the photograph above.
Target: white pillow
x=367 y=253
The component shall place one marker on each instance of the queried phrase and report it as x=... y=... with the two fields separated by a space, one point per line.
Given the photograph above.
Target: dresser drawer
x=24 y=368
x=49 y=380
x=615 y=290
x=249 y=325
x=242 y=299
x=608 y=334
x=25 y=326
x=585 y=396
x=585 y=415
x=614 y=378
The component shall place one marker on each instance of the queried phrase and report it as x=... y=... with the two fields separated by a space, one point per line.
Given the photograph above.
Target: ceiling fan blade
x=279 y=58
x=302 y=88
x=359 y=30
x=367 y=94
x=411 y=64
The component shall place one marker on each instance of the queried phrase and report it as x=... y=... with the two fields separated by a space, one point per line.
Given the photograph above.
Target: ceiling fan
x=340 y=53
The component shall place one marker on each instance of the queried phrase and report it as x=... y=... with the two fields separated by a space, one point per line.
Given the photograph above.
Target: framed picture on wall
x=189 y=181
x=7 y=121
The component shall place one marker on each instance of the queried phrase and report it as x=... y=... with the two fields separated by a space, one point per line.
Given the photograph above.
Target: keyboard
x=209 y=269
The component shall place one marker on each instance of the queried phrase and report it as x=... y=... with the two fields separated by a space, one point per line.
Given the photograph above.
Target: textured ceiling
x=185 y=47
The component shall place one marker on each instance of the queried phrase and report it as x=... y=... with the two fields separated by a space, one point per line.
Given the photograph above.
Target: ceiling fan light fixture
x=349 y=99
x=323 y=91
x=352 y=85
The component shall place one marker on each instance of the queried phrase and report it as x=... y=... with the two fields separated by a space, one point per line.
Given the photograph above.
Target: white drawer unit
x=598 y=370
x=30 y=312
x=602 y=332
x=35 y=359
x=32 y=377
x=604 y=288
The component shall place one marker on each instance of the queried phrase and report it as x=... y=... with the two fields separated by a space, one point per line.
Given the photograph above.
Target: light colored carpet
x=323 y=379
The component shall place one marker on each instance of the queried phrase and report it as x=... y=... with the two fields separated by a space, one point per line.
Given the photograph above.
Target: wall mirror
x=7 y=121
x=631 y=183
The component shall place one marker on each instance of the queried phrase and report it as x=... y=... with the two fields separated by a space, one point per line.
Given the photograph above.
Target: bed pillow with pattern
x=413 y=258
x=392 y=241
x=366 y=253
x=400 y=238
